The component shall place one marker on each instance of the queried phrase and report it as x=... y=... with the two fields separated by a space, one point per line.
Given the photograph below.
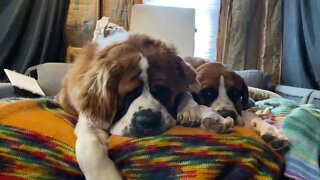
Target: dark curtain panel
x=31 y=32
x=301 y=46
x=250 y=35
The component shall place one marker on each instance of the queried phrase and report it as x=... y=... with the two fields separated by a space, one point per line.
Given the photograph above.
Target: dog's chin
x=137 y=132
x=143 y=132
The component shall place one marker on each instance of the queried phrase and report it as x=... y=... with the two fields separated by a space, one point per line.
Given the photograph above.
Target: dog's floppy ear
x=245 y=93
x=98 y=97
x=188 y=75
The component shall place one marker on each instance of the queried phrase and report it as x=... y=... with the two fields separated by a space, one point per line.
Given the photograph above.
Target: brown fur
x=119 y=65
x=208 y=74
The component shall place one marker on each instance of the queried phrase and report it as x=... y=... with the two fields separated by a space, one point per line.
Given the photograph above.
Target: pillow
x=49 y=76
x=256 y=78
x=6 y=90
x=261 y=94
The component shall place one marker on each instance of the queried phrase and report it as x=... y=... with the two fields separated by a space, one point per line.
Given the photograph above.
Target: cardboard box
x=83 y=15
x=119 y=11
x=81 y=20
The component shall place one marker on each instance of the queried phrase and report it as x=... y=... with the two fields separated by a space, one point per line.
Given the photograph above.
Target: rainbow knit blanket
x=301 y=123
x=186 y=153
x=37 y=142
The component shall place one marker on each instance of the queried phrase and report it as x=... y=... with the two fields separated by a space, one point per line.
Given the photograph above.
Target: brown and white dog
x=218 y=104
x=127 y=82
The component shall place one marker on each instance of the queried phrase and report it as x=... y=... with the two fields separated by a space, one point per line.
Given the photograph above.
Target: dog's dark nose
x=226 y=113
x=147 y=119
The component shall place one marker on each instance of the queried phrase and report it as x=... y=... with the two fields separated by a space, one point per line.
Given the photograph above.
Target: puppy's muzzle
x=228 y=113
x=147 y=122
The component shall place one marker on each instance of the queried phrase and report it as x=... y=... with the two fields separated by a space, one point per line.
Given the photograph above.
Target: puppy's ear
x=188 y=74
x=98 y=92
x=195 y=62
x=245 y=93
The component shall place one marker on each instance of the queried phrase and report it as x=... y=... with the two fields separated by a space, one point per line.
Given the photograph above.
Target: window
x=207 y=22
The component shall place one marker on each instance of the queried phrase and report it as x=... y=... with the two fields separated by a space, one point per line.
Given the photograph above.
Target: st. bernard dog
x=128 y=84
x=218 y=103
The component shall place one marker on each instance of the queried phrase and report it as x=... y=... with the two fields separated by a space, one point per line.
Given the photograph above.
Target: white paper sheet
x=24 y=82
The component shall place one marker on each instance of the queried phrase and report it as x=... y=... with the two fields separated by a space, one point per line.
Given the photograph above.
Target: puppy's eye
x=209 y=95
x=127 y=100
x=135 y=93
x=161 y=93
x=234 y=94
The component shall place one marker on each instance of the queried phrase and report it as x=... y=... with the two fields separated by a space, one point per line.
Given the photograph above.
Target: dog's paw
x=273 y=136
x=213 y=122
x=206 y=118
x=191 y=116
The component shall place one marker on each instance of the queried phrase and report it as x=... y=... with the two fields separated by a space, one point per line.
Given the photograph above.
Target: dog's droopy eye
x=234 y=94
x=130 y=96
x=161 y=93
x=127 y=100
x=208 y=95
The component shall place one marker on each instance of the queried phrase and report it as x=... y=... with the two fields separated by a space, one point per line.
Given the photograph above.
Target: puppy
x=218 y=104
x=129 y=82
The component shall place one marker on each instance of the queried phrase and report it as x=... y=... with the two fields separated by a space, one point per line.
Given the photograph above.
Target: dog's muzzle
x=147 y=122
x=228 y=113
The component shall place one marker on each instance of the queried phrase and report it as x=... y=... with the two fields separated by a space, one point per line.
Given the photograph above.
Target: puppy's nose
x=226 y=113
x=147 y=119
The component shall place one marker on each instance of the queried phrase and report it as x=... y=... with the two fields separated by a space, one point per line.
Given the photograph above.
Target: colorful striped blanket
x=37 y=142
x=301 y=123
x=186 y=153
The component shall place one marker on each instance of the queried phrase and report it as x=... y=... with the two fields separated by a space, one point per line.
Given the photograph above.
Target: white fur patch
x=222 y=102
x=100 y=84
x=73 y=95
x=91 y=151
x=144 y=65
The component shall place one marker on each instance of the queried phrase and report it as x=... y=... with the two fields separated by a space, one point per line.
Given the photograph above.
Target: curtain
x=301 y=46
x=31 y=33
x=250 y=35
